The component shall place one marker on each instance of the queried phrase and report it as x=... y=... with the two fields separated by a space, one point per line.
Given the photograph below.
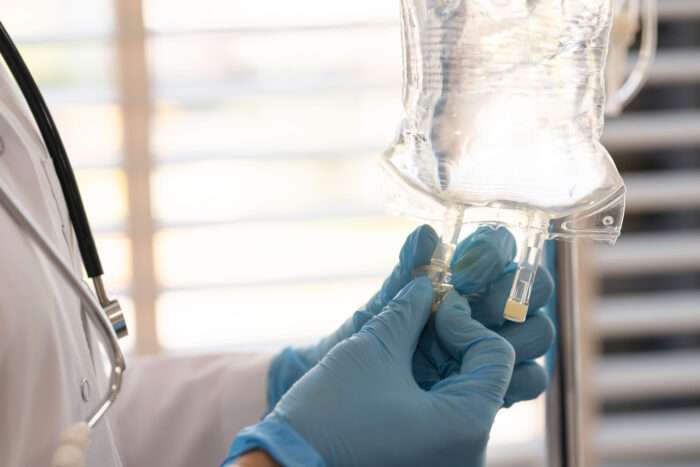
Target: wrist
x=279 y=441
x=256 y=458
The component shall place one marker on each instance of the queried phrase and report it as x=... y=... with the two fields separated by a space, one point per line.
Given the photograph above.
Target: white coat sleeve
x=185 y=411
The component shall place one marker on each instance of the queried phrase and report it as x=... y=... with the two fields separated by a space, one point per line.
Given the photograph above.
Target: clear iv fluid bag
x=504 y=108
x=504 y=111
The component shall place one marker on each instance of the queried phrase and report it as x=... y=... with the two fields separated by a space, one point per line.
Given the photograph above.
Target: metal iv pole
x=564 y=421
x=564 y=418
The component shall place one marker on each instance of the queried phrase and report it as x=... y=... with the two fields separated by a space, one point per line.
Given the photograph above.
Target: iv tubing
x=439 y=268
x=519 y=299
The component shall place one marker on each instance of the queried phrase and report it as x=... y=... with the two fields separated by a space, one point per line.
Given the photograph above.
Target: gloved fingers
x=530 y=339
x=416 y=251
x=431 y=362
x=528 y=382
x=480 y=259
x=424 y=372
x=397 y=328
x=486 y=359
x=488 y=307
x=313 y=354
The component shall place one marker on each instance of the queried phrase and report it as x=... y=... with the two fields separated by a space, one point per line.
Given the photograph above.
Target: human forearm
x=256 y=458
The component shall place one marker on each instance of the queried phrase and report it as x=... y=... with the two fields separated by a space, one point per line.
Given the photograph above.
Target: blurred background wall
x=227 y=154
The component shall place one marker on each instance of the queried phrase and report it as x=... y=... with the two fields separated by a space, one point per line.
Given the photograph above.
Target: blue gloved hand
x=483 y=272
x=362 y=406
x=291 y=364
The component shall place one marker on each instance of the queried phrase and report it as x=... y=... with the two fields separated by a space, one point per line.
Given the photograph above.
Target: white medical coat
x=181 y=411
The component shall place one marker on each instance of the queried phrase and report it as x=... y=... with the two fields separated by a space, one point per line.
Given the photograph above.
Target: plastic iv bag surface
x=504 y=110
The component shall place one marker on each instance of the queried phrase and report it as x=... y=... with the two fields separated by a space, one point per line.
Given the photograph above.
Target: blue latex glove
x=482 y=271
x=362 y=406
x=291 y=364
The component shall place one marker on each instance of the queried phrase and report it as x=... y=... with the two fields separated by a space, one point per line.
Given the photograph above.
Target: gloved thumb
x=416 y=251
x=398 y=326
x=486 y=359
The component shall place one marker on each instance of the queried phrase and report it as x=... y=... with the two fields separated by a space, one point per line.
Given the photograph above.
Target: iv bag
x=504 y=111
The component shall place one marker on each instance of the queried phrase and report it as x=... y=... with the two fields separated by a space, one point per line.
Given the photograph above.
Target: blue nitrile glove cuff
x=287 y=366
x=279 y=441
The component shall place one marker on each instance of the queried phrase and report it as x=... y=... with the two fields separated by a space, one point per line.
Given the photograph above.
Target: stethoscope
x=74 y=440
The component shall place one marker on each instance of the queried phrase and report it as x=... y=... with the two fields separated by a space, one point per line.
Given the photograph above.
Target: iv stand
x=564 y=419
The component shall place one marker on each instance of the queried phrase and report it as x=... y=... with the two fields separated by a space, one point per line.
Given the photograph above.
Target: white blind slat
x=673 y=66
x=645 y=131
x=649 y=253
x=646 y=436
x=648 y=375
x=679 y=10
x=669 y=190
x=648 y=314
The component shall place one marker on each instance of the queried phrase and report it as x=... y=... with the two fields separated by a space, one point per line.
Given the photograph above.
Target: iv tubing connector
x=439 y=268
x=519 y=299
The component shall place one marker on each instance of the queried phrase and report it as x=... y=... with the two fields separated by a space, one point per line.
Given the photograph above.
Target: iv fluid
x=504 y=111
x=504 y=106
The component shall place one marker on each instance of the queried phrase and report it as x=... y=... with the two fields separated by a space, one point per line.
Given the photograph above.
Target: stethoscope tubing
x=27 y=224
x=54 y=145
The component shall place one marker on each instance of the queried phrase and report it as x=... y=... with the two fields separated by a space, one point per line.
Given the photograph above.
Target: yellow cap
x=515 y=311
